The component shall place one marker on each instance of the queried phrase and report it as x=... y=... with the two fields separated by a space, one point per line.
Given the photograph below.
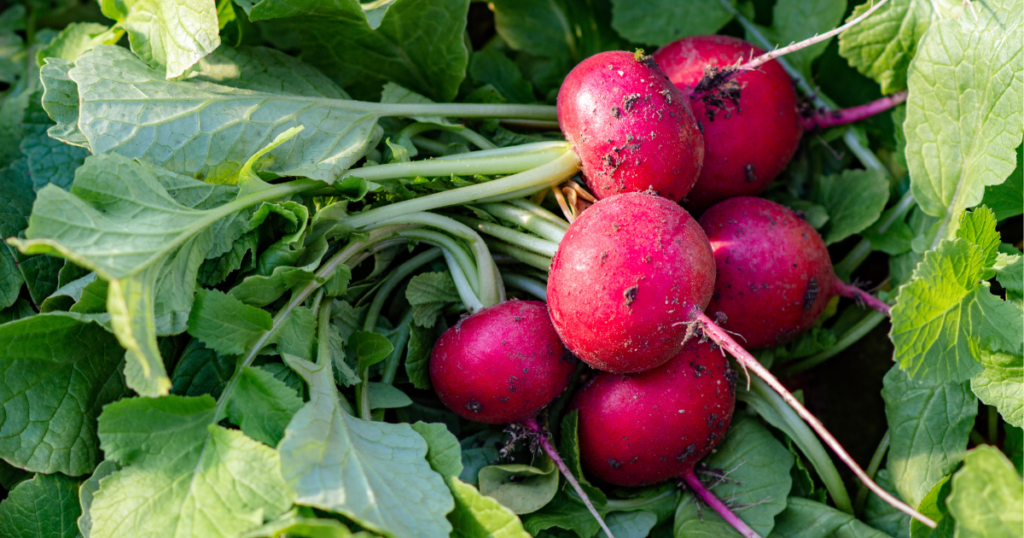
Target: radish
x=637 y=430
x=650 y=250
x=749 y=117
x=504 y=364
x=774 y=275
x=631 y=127
x=627 y=269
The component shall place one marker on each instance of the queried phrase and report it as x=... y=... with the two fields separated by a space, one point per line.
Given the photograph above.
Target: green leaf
x=372 y=472
x=418 y=43
x=630 y=524
x=854 y=200
x=86 y=493
x=39 y=273
x=58 y=372
x=258 y=290
x=292 y=525
x=123 y=219
x=803 y=517
x=978 y=227
x=474 y=516
x=883 y=516
x=173 y=35
x=266 y=70
x=262 y=405
x=945 y=316
x=1005 y=198
x=165 y=131
x=417 y=359
x=429 y=293
x=657 y=22
x=49 y=160
x=201 y=370
x=385 y=396
x=987 y=496
x=297 y=334
x=44 y=506
x=881 y=46
x=963 y=112
x=1011 y=277
x=1001 y=385
x=76 y=39
x=760 y=466
x=490 y=66
x=795 y=20
x=183 y=475
x=520 y=487
x=934 y=506
x=10 y=279
x=225 y=324
x=929 y=425
x=569 y=450
x=369 y=348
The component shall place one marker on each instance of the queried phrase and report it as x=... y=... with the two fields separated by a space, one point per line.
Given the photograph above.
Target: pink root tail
x=715 y=503
x=853 y=292
x=823 y=119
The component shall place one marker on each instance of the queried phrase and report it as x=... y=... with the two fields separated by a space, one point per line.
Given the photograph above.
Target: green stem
x=527 y=219
x=451 y=246
x=393 y=360
x=993 y=426
x=551 y=173
x=977 y=438
x=486 y=162
x=475 y=138
x=535 y=288
x=774 y=409
x=873 y=465
x=519 y=239
x=539 y=211
x=463 y=110
x=529 y=258
x=850 y=337
x=433 y=146
x=364 y=396
x=470 y=299
x=393 y=280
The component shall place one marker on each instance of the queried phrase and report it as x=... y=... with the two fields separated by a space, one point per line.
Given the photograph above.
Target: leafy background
x=888 y=194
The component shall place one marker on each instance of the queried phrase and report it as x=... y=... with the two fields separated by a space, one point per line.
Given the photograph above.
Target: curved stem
x=545 y=443
x=475 y=138
x=392 y=282
x=392 y=362
x=715 y=503
x=533 y=260
x=773 y=409
x=470 y=299
x=539 y=211
x=527 y=219
x=534 y=287
x=832 y=118
x=853 y=292
x=519 y=239
x=722 y=338
x=850 y=337
x=551 y=173
x=453 y=247
x=426 y=144
x=873 y=465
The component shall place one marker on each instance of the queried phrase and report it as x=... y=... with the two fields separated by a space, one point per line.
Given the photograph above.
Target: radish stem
x=722 y=338
x=715 y=503
x=853 y=292
x=542 y=438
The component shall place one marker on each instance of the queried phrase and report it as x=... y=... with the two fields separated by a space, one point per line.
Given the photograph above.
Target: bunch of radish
x=637 y=287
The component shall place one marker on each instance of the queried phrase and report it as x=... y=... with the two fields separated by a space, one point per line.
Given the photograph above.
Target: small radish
x=774 y=275
x=751 y=123
x=632 y=129
x=637 y=430
x=504 y=364
x=628 y=269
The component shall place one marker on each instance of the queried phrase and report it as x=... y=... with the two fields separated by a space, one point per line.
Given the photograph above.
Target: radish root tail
x=705 y=495
x=722 y=338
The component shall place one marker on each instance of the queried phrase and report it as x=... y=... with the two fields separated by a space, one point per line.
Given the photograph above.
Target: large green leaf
x=209 y=130
x=806 y=518
x=46 y=506
x=882 y=45
x=657 y=22
x=49 y=160
x=183 y=475
x=929 y=425
x=964 y=118
x=373 y=472
x=1001 y=384
x=39 y=273
x=521 y=487
x=474 y=516
x=1005 y=198
x=758 y=466
x=796 y=20
x=58 y=371
x=417 y=44
x=945 y=317
x=987 y=496
x=78 y=38
x=173 y=35
x=262 y=405
x=225 y=324
x=135 y=225
x=854 y=200
x=882 y=515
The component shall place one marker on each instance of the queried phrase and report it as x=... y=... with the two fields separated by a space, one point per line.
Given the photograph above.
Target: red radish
x=752 y=128
x=502 y=364
x=632 y=129
x=628 y=269
x=774 y=275
x=637 y=430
